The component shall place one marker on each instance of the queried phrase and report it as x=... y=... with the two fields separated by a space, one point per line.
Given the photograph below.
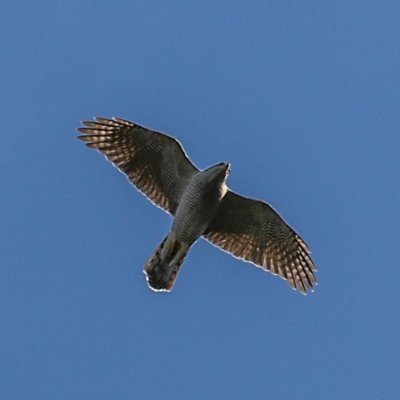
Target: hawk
x=201 y=204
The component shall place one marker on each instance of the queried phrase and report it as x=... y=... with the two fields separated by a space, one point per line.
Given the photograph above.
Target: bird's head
x=218 y=172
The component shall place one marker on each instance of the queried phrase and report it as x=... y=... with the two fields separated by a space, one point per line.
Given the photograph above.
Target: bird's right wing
x=251 y=230
x=154 y=162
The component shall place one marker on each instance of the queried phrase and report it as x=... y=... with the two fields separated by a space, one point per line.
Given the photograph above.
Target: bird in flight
x=201 y=205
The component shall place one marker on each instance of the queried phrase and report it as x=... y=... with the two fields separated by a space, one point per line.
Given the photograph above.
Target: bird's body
x=201 y=204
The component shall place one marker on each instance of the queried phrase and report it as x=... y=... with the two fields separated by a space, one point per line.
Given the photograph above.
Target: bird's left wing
x=251 y=230
x=154 y=162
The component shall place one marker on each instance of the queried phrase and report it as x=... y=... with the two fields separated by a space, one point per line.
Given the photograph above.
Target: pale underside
x=246 y=228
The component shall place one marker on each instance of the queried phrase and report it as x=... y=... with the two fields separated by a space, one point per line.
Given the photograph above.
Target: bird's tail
x=163 y=266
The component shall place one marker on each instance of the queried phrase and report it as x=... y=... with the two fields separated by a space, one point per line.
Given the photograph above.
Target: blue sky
x=301 y=97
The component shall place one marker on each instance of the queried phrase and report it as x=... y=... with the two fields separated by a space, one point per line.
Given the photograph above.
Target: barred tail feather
x=163 y=266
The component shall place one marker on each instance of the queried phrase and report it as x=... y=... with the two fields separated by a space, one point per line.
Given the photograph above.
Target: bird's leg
x=173 y=251
x=168 y=247
x=179 y=252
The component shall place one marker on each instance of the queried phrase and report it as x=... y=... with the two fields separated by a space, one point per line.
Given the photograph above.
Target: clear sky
x=303 y=98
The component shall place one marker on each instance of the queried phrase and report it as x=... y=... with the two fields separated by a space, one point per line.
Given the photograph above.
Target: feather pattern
x=253 y=231
x=154 y=162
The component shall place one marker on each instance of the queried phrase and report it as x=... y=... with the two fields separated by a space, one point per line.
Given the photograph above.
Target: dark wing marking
x=252 y=230
x=154 y=162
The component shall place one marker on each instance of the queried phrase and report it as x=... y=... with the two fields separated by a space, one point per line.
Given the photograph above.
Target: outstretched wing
x=154 y=162
x=252 y=230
